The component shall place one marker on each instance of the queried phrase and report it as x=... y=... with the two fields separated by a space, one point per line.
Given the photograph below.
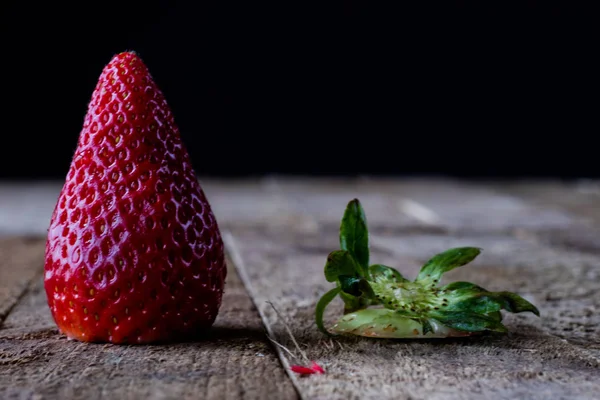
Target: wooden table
x=539 y=238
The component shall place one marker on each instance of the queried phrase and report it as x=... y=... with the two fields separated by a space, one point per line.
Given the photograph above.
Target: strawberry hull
x=134 y=252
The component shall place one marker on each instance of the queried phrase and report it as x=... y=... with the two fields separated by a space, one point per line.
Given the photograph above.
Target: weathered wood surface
x=231 y=362
x=556 y=356
x=540 y=239
x=431 y=204
x=20 y=260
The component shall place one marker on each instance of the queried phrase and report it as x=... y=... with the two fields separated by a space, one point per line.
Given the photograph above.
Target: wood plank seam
x=19 y=297
x=238 y=262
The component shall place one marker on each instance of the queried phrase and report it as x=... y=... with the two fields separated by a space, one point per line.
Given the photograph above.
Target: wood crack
x=235 y=255
x=4 y=315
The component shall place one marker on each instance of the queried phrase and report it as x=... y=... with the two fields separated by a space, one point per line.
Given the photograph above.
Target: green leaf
x=321 y=305
x=378 y=322
x=462 y=286
x=356 y=293
x=357 y=287
x=426 y=326
x=468 y=321
x=447 y=261
x=488 y=302
x=476 y=302
x=340 y=262
x=385 y=323
x=354 y=235
x=352 y=303
x=380 y=271
x=514 y=303
x=495 y=315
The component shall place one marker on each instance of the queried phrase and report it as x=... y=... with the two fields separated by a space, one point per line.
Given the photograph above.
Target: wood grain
x=556 y=356
x=20 y=262
x=539 y=239
x=231 y=362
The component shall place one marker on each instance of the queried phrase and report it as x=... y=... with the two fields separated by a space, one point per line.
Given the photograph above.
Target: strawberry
x=134 y=253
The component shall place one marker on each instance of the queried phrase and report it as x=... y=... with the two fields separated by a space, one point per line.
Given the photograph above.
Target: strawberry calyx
x=380 y=302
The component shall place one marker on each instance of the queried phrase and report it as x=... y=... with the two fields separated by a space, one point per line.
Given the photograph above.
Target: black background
x=461 y=88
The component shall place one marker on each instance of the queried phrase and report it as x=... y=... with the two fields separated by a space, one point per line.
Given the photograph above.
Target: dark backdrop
x=463 y=88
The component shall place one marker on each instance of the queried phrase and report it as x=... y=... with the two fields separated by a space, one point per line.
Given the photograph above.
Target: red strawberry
x=134 y=253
